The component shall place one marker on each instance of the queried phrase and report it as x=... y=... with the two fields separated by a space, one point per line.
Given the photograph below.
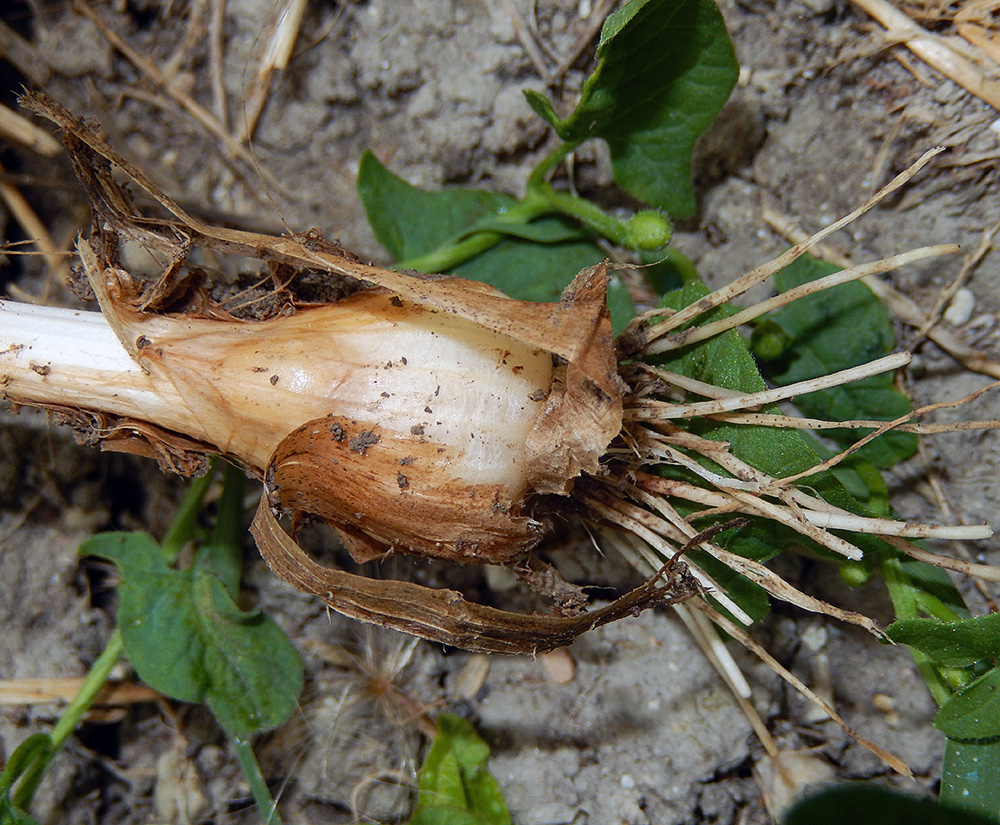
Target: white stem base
x=71 y=358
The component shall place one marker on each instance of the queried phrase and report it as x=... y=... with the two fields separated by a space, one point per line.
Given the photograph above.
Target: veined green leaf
x=409 y=221
x=665 y=68
x=186 y=637
x=974 y=712
x=957 y=644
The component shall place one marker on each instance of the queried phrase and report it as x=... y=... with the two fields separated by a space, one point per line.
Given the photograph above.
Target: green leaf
x=871 y=805
x=186 y=637
x=957 y=644
x=409 y=221
x=829 y=331
x=455 y=786
x=974 y=712
x=542 y=107
x=10 y=814
x=665 y=68
x=970 y=777
x=725 y=361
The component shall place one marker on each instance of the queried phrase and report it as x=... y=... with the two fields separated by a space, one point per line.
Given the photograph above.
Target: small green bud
x=648 y=230
x=769 y=340
x=955 y=677
x=855 y=573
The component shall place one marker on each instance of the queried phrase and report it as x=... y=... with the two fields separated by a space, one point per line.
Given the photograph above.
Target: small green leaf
x=665 y=68
x=455 y=786
x=34 y=750
x=542 y=107
x=186 y=637
x=958 y=644
x=26 y=764
x=829 y=331
x=872 y=805
x=974 y=712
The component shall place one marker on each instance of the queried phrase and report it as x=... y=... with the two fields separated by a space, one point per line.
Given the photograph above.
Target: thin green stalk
x=95 y=679
x=223 y=553
x=542 y=200
x=182 y=528
x=587 y=213
x=258 y=787
x=538 y=175
x=907 y=601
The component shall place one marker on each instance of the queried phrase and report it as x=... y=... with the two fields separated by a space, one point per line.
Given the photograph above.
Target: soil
x=644 y=731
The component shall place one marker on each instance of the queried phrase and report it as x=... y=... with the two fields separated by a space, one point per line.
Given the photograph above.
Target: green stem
x=183 y=526
x=906 y=603
x=587 y=213
x=258 y=787
x=454 y=254
x=223 y=553
x=95 y=679
x=540 y=200
x=538 y=175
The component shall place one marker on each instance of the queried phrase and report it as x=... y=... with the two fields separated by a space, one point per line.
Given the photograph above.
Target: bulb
x=406 y=427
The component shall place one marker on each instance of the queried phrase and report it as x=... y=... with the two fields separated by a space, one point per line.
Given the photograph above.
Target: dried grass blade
x=886 y=426
x=933 y=50
x=987 y=572
x=901 y=307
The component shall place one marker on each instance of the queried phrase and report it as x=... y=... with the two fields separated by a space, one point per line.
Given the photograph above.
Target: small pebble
x=559 y=666
x=887 y=705
x=960 y=307
x=815 y=636
x=471 y=678
x=553 y=813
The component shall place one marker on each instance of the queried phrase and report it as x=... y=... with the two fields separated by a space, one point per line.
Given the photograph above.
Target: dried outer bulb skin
x=406 y=427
